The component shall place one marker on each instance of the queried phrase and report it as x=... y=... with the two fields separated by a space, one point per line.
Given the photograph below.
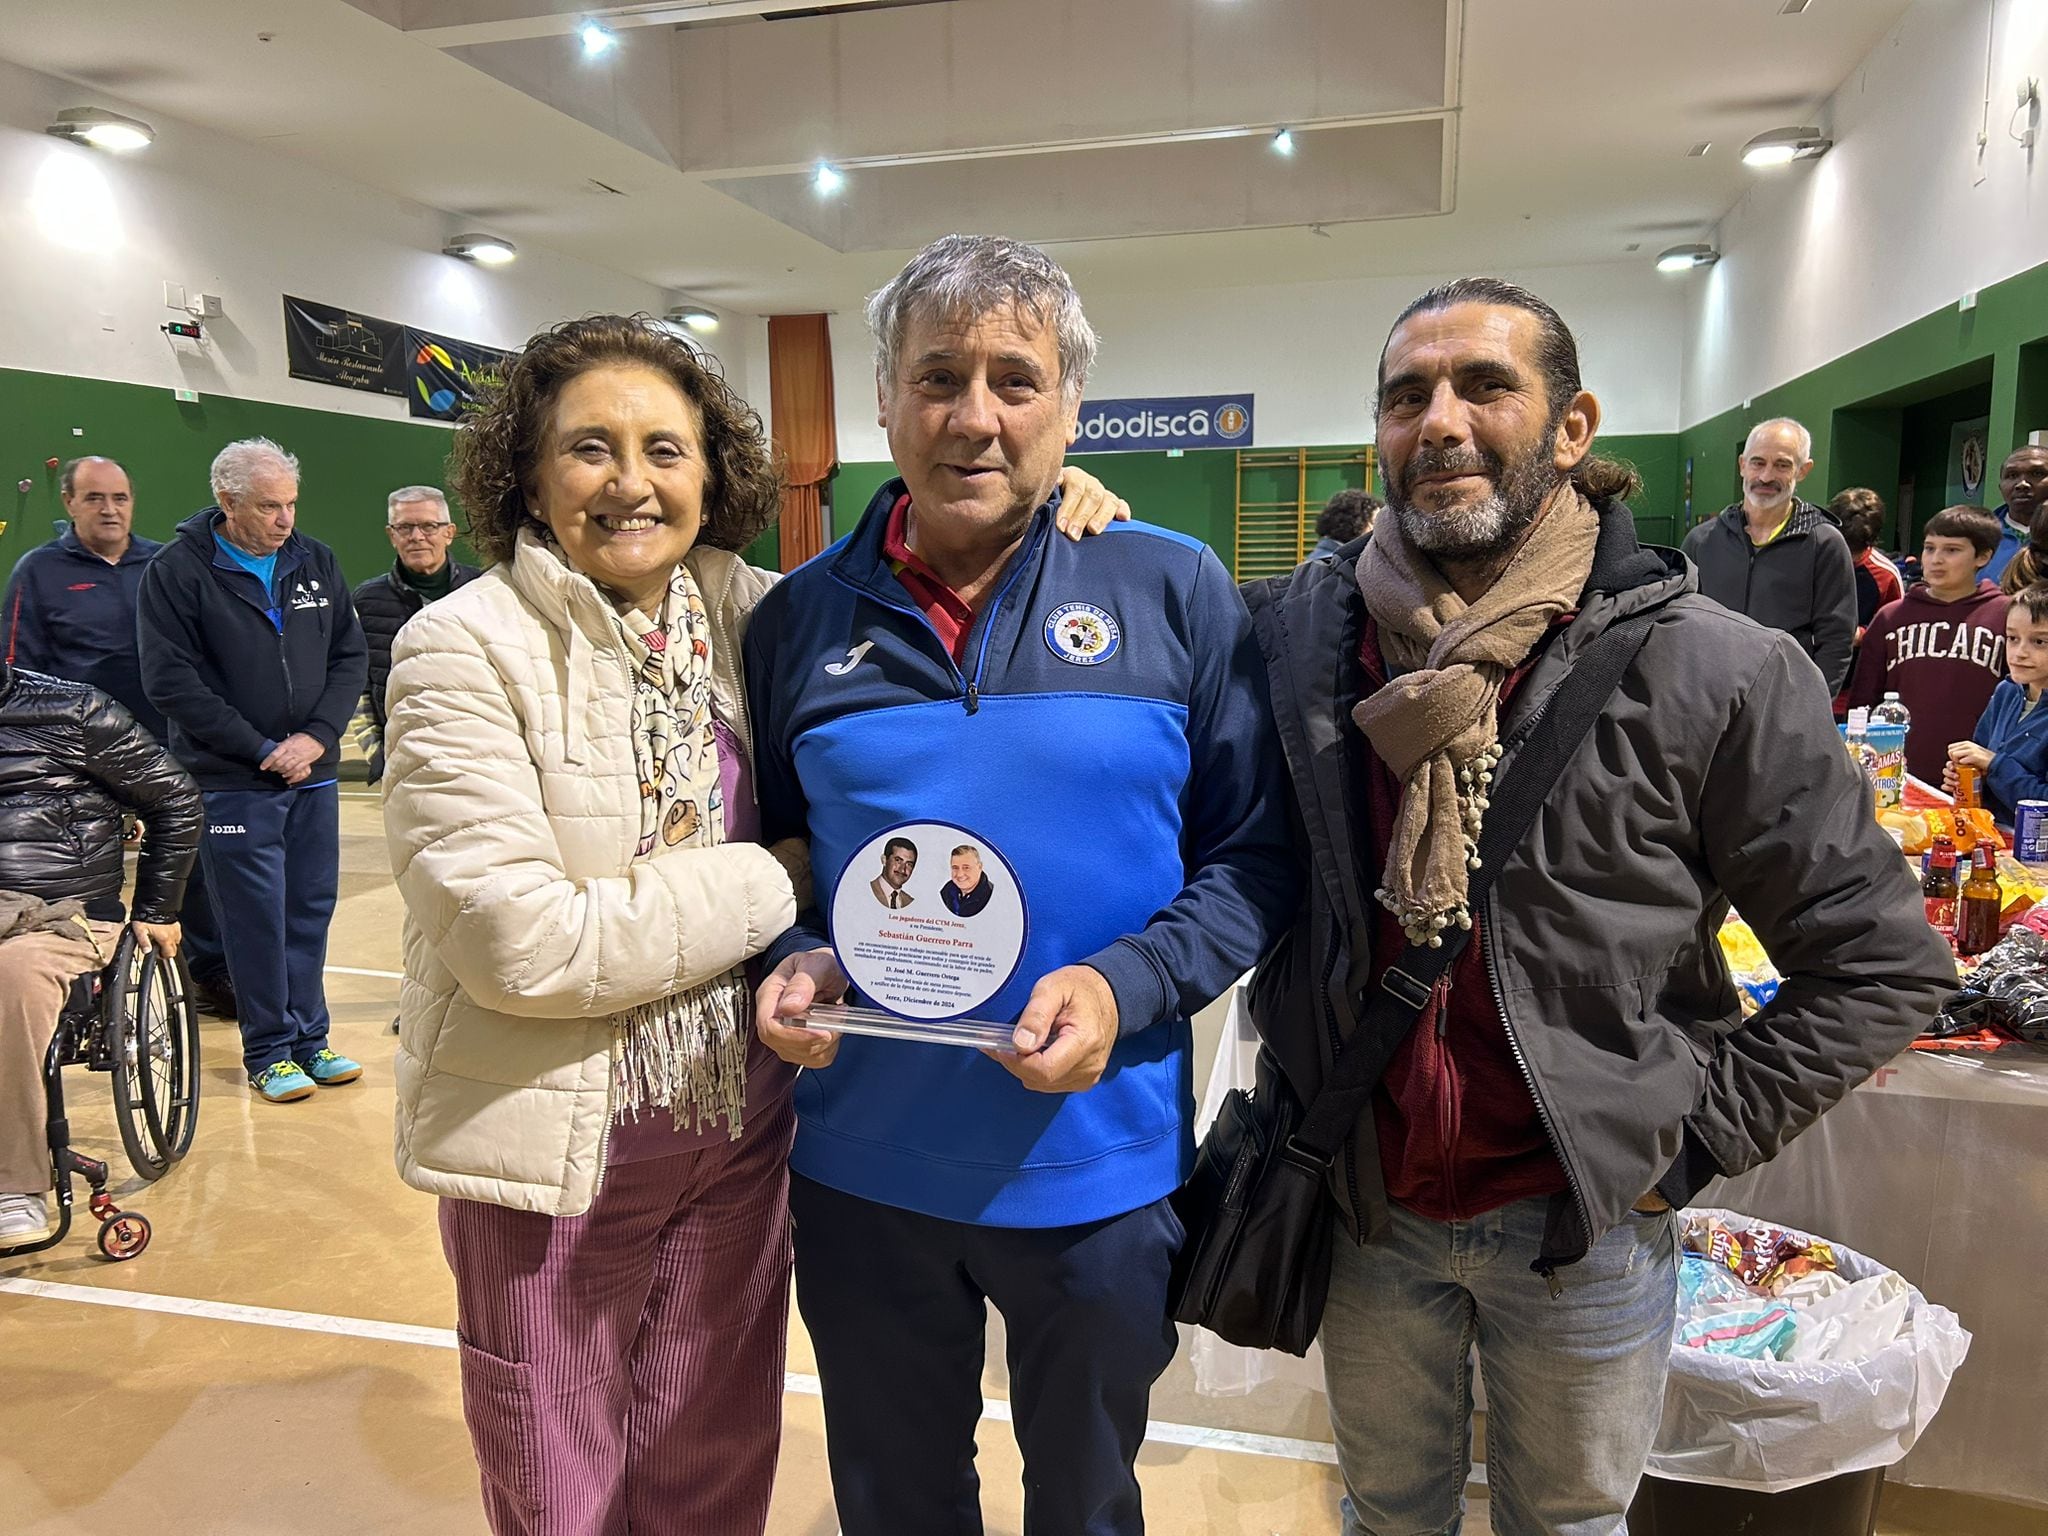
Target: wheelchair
x=134 y=1021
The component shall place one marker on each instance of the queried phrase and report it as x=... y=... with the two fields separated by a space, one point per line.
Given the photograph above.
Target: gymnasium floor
x=281 y=1358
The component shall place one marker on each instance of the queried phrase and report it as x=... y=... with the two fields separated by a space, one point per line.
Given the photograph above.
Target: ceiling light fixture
x=102 y=129
x=1283 y=142
x=828 y=180
x=487 y=250
x=693 y=317
x=597 y=39
x=1781 y=146
x=1683 y=258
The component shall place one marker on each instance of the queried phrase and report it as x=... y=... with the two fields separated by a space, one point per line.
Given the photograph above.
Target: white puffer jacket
x=512 y=808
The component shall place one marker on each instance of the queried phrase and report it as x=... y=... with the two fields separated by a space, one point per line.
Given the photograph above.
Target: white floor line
x=353 y=970
x=1157 y=1431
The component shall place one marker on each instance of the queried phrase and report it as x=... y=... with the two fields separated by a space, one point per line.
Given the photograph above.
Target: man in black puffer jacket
x=417 y=523
x=71 y=762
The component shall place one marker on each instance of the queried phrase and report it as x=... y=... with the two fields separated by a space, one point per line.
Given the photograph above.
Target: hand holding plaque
x=786 y=998
x=1065 y=1034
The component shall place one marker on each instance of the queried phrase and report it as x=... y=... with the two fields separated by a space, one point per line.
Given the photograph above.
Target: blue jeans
x=273 y=866
x=1574 y=1383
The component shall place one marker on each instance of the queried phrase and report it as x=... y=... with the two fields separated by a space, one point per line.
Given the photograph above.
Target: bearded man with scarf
x=1583 y=1067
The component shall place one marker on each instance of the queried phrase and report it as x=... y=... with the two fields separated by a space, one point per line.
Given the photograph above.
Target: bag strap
x=1548 y=741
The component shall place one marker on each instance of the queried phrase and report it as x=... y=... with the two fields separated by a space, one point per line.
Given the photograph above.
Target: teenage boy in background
x=2009 y=748
x=1941 y=647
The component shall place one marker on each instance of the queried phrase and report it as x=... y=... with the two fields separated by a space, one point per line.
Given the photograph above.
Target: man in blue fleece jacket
x=1095 y=715
x=251 y=649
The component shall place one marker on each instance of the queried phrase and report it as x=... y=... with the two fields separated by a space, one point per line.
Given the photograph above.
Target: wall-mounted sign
x=440 y=376
x=446 y=377
x=343 y=348
x=1175 y=421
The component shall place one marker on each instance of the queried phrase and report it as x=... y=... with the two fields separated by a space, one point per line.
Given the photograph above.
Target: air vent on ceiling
x=1794 y=7
x=605 y=187
x=1699 y=149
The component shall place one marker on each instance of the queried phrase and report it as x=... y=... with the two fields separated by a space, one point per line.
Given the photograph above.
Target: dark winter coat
x=1714 y=774
x=71 y=761
x=1803 y=581
x=234 y=681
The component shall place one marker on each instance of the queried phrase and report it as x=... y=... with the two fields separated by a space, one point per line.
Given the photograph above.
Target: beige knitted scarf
x=686 y=1053
x=1436 y=726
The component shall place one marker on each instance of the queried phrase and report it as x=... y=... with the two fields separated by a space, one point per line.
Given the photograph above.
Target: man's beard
x=1476 y=529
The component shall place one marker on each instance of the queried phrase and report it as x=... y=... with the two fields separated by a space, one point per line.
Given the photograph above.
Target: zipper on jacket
x=1543 y=1265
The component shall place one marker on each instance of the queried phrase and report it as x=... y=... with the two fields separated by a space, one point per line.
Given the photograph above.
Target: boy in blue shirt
x=2010 y=745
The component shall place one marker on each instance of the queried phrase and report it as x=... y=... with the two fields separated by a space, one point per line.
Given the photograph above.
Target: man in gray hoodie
x=1778 y=559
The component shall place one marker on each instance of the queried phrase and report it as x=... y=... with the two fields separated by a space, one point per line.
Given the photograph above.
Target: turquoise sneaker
x=282 y=1082
x=330 y=1069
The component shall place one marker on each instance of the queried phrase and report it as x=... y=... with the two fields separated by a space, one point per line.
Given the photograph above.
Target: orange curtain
x=806 y=436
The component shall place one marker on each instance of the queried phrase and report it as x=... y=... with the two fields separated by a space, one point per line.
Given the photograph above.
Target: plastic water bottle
x=1892 y=712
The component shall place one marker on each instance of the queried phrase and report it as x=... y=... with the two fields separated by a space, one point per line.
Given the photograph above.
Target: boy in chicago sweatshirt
x=1941 y=647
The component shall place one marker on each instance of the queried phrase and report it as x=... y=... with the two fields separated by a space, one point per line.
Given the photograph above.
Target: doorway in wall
x=1921 y=447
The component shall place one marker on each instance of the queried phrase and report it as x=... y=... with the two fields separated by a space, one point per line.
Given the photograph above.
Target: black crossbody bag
x=1255 y=1268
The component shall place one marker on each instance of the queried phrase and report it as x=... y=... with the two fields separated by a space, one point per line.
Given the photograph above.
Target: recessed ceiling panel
x=1335 y=175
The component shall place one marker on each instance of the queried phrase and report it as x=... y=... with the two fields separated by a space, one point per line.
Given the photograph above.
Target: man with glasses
x=417 y=523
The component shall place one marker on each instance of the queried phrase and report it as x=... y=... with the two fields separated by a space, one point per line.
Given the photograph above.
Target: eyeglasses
x=415 y=530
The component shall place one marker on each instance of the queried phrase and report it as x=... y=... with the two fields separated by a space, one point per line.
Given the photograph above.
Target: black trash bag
x=2008 y=991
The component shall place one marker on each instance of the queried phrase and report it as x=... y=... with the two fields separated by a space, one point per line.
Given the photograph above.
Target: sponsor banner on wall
x=1173 y=421
x=343 y=348
x=445 y=377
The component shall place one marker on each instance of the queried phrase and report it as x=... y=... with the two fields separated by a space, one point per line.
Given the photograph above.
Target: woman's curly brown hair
x=498 y=446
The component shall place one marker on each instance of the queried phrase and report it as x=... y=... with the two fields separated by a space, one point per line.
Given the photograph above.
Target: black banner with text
x=340 y=347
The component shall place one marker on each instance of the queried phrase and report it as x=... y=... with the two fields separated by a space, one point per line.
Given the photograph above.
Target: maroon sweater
x=1943 y=660
x=1459 y=1134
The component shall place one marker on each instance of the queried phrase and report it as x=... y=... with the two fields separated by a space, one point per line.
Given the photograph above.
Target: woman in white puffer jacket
x=570 y=815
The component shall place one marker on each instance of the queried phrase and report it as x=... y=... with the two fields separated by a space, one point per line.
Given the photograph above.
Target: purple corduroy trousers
x=622 y=1369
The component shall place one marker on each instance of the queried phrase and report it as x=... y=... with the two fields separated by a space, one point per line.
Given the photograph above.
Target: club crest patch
x=1082 y=634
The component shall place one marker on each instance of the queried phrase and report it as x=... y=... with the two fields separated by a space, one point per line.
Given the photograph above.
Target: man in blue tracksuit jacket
x=70 y=612
x=251 y=649
x=1092 y=718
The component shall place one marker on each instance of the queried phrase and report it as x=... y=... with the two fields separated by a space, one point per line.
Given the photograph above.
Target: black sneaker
x=214 y=996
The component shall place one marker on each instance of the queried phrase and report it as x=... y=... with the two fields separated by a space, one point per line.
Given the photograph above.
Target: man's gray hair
x=1805 y=437
x=962 y=278
x=410 y=493
x=236 y=466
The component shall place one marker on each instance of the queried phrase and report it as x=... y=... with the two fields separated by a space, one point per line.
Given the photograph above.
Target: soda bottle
x=1978 y=909
x=1939 y=889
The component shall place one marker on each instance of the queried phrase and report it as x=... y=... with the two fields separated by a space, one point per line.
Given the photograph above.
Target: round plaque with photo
x=928 y=921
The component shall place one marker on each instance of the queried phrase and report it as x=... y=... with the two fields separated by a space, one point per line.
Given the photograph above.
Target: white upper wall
x=1900 y=219
x=1309 y=351
x=88 y=240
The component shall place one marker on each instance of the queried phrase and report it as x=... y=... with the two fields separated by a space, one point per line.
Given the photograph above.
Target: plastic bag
x=1770 y=1425
x=2007 y=991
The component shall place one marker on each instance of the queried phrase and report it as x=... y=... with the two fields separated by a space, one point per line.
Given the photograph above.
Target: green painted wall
x=1860 y=406
x=348 y=464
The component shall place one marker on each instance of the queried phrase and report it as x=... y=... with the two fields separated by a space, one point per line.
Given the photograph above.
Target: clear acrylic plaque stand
x=978 y=1034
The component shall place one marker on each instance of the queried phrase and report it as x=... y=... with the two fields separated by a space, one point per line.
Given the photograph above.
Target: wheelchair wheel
x=123 y=1236
x=153 y=1040
x=170 y=1024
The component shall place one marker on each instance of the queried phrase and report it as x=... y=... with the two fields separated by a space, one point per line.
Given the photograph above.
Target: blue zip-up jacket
x=70 y=614
x=233 y=680
x=1138 y=800
x=2019 y=748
